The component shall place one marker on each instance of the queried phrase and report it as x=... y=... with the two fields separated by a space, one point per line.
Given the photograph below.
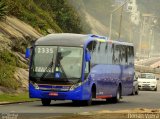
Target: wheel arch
x=93 y=90
x=120 y=88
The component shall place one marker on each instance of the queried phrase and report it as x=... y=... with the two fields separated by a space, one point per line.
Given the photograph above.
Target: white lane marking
x=150 y=92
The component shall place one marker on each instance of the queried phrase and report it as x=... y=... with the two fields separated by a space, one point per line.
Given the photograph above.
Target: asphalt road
x=145 y=99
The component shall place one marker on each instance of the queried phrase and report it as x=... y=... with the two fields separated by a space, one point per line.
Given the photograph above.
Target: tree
x=66 y=16
x=3 y=10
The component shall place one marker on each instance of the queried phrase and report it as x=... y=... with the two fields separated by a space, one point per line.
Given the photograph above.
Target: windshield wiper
x=48 y=67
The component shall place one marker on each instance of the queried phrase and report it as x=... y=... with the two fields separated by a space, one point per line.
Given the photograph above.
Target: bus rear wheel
x=117 y=98
x=46 y=102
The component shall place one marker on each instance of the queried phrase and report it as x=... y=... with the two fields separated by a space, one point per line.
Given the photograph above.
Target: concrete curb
x=6 y=103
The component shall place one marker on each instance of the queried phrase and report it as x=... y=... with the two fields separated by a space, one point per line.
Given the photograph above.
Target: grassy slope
x=15 y=97
x=8 y=62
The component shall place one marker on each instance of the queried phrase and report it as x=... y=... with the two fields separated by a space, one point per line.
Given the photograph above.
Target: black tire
x=46 y=102
x=137 y=92
x=115 y=99
x=76 y=102
x=88 y=102
x=133 y=92
x=118 y=96
x=155 y=89
x=82 y=102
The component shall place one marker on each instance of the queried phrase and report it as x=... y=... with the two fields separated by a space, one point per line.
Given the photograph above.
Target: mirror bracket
x=28 y=53
x=87 y=56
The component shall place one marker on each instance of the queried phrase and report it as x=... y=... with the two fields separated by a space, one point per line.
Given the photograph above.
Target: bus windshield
x=46 y=60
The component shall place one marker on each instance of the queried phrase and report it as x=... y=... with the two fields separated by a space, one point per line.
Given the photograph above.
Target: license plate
x=53 y=94
x=145 y=84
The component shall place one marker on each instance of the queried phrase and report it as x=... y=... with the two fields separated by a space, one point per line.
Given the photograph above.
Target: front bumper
x=147 y=86
x=67 y=95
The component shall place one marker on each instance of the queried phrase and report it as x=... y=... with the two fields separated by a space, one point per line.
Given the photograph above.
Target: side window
x=131 y=55
x=92 y=49
x=113 y=53
x=87 y=69
x=123 y=54
x=103 y=54
x=117 y=54
x=106 y=52
x=110 y=53
x=126 y=54
x=99 y=51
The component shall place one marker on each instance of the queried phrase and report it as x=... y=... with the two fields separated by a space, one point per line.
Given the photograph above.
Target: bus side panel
x=106 y=79
x=127 y=79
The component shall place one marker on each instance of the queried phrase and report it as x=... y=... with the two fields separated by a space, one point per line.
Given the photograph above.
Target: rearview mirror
x=135 y=79
x=28 y=53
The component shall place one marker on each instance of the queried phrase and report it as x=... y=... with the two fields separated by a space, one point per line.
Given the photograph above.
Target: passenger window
x=87 y=69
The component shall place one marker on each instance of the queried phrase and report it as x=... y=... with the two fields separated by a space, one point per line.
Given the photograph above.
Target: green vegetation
x=20 y=45
x=3 y=9
x=44 y=15
x=8 y=64
x=15 y=97
x=29 y=12
x=66 y=17
x=9 y=58
x=6 y=76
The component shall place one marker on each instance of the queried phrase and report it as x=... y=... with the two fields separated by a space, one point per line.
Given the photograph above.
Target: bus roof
x=70 y=39
x=63 y=39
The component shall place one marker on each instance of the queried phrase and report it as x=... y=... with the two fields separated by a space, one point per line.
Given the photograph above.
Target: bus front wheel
x=46 y=102
x=89 y=102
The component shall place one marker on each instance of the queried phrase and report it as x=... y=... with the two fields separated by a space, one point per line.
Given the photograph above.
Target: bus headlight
x=75 y=86
x=35 y=85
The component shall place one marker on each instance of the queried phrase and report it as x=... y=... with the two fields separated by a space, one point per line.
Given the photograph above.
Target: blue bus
x=80 y=68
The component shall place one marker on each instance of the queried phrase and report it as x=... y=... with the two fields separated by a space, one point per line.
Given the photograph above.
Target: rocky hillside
x=23 y=22
x=15 y=35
